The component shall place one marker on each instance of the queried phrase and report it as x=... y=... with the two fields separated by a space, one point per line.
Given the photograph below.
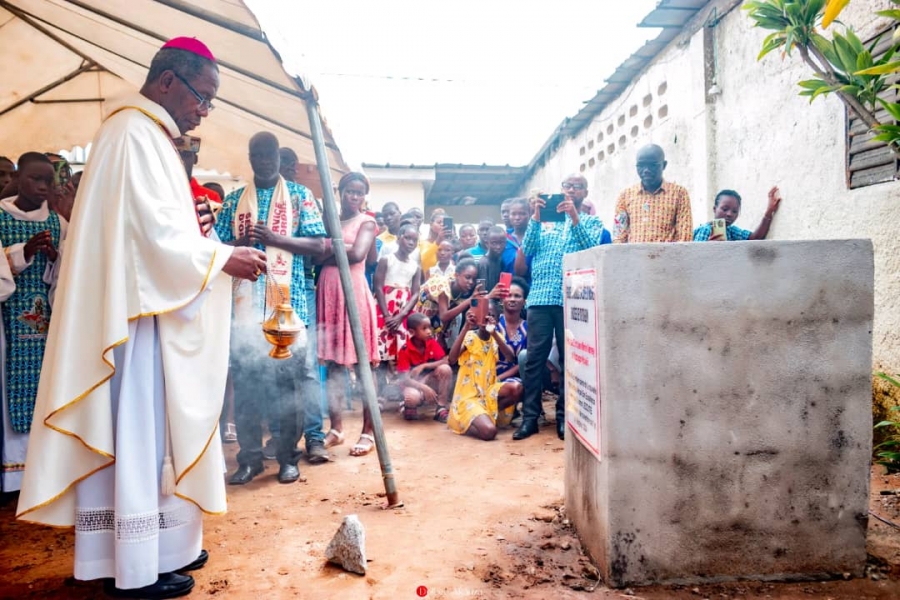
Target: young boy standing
x=30 y=234
x=425 y=375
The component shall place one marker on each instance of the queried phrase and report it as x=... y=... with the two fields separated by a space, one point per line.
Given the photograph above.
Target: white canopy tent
x=64 y=60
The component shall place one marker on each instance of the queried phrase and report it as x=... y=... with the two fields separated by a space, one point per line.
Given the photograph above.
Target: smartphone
x=480 y=307
x=505 y=279
x=718 y=228
x=548 y=213
x=448 y=224
x=62 y=172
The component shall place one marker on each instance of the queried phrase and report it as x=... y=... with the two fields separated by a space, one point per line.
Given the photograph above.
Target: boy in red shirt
x=425 y=375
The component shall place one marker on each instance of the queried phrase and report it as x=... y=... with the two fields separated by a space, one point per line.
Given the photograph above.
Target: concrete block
x=735 y=410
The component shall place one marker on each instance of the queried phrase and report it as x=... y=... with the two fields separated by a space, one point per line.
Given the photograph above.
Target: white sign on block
x=582 y=387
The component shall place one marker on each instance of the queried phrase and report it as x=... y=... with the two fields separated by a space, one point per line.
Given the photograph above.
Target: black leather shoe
x=525 y=430
x=288 y=474
x=561 y=429
x=245 y=474
x=198 y=563
x=316 y=454
x=169 y=585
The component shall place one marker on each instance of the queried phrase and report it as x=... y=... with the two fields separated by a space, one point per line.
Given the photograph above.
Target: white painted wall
x=407 y=194
x=756 y=134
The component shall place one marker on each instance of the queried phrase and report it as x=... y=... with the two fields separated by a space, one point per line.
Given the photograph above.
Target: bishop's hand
x=246 y=263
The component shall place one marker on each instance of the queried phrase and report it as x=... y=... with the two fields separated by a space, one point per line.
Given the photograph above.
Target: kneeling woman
x=480 y=402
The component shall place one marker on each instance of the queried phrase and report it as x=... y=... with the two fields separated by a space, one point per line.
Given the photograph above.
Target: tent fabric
x=65 y=61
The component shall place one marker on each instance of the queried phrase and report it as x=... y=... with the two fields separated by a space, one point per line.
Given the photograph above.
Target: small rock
x=548 y=546
x=565 y=546
x=695 y=591
x=875 y=577
x=348 y=546
x=500 y=538
x=846 y=576
x=628 y=592
x=470 y=567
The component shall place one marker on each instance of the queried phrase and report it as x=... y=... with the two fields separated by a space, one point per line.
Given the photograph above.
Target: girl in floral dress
x=481 y=402
x=396 y=285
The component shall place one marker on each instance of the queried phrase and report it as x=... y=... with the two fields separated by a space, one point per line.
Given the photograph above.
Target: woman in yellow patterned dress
x=480 y=402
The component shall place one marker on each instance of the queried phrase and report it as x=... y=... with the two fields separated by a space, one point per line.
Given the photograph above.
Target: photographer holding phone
x=727 y=208
x=546 y=248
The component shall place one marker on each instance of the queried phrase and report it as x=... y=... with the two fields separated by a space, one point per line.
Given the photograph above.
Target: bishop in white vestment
x=134 y=370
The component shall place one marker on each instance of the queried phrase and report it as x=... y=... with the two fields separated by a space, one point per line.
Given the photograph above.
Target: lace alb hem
x=134 y=528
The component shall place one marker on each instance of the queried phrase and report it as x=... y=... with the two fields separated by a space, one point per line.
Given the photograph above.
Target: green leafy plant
x=888 y=451
x=842 y=65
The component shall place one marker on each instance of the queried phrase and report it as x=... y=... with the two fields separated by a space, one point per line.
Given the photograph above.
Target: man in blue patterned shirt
x=280 y=217
x=546 y=245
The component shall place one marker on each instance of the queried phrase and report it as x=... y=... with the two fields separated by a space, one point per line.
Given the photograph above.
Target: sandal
x=441 y=414
x=361 y=449
x=336 y=440
x=230 y=435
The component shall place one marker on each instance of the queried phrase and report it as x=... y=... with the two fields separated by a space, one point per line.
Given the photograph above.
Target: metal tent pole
x=340 y=257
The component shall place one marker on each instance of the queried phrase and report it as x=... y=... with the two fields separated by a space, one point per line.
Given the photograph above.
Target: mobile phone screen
x=548 y=213
x=505 y=279
x=448 y=224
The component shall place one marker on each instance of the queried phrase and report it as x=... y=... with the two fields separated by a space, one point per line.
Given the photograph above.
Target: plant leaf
x=832 y=10
x=890 y=67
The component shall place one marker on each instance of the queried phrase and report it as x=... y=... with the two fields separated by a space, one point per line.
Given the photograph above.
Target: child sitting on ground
x=445 y=265
x=423 y=372
x=480 y=402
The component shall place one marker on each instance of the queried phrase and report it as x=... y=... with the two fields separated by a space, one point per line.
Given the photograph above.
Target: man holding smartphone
x=546 y=248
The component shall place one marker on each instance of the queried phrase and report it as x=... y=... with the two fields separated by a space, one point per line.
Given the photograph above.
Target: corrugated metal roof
x=673 y=13
x=672 y=16
x=488 y=184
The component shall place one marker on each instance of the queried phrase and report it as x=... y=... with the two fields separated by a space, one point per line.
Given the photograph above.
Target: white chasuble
x=136 y=268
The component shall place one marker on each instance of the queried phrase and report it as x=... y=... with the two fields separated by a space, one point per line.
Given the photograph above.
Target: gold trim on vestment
x=82 y=396
x=180 y=306
x=146 y=113
x=60 y=495
x=199 y=456
x=195 y=503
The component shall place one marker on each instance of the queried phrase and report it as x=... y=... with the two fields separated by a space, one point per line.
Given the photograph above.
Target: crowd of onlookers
x=463 y=323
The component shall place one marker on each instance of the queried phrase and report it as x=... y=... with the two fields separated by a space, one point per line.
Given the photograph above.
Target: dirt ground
x=481 y=520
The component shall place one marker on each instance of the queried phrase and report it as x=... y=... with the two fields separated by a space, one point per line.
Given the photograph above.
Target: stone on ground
x=348 y=546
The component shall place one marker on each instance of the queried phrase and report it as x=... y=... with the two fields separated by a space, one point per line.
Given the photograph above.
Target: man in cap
x=125 y=442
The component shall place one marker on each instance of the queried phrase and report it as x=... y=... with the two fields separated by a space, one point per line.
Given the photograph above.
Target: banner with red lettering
x=281 y=221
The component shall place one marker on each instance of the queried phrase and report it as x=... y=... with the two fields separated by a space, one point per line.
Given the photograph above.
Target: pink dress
x=334 y=334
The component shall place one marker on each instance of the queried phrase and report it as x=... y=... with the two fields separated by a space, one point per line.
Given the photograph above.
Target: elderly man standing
x=125 y=442
x=653 y=210
x=281 y=217
x=546 y=248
